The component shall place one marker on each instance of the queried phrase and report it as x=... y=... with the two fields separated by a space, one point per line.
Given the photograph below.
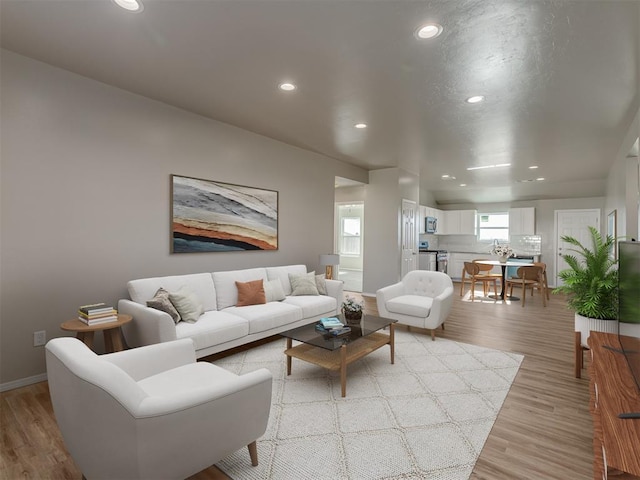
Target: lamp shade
x=328 y=259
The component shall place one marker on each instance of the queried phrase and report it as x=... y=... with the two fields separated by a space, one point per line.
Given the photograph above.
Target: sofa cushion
x=283 y=274
x=161 y=301
x=250 y=293
x=199 y=283
x=187 y=304
x=225 y=284
x=273 y=290
x=412 y=305
x=313 y=305
x=213 y=328
x=267 y=316
x=303 y=284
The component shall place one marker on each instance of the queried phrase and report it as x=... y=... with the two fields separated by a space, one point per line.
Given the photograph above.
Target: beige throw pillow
x=273 y=290
x=160 y=301
x=321 y=284
x=303 y=284
x=187 y=304
x=250 y=293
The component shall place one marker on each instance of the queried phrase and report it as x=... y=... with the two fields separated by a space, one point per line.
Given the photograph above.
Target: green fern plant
x=591 y=281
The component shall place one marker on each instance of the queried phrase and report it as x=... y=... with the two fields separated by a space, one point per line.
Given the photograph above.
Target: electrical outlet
x=39 y=338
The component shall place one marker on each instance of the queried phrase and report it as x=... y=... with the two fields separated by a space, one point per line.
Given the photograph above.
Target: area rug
x=425 y=417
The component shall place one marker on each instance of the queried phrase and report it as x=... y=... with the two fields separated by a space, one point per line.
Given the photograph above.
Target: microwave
x=430 y=224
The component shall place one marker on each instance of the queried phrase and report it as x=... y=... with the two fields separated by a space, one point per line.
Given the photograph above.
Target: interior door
x=409 y=239
x=573 y=223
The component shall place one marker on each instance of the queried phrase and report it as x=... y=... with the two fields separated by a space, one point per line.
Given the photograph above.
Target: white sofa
x=223 y=325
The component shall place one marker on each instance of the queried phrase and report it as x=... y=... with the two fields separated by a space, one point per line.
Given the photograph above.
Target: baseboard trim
x=23 y=382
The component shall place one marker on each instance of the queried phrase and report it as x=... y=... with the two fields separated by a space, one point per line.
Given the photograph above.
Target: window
x=350 y=236
x=493 y=226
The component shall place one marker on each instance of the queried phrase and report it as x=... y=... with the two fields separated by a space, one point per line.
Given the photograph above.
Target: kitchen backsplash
x=521 y=244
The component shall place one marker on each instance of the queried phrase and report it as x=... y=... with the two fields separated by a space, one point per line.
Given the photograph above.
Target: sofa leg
x=253 y=453
x=433 y=334
x=443 y=326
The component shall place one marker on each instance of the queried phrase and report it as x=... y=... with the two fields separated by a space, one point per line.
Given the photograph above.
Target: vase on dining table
x=504 y=258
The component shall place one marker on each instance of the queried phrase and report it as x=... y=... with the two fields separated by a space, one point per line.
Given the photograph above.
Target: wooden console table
x=616 y=441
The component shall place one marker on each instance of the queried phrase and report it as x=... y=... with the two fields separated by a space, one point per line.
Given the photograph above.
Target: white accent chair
x=421 y=299
x=152 y=412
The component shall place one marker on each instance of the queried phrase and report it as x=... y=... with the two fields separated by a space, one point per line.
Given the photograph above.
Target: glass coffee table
x=335 y=353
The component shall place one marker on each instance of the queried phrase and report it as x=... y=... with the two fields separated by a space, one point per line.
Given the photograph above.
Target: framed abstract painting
x=208 y=216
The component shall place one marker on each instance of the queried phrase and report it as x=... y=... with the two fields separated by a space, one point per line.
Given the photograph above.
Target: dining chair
x=545 y=283
x=475 y=274
x=529 y=276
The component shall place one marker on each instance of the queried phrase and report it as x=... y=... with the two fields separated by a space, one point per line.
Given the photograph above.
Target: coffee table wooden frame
x=339 y=359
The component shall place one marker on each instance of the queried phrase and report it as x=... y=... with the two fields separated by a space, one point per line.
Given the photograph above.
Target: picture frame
x=212 y=216
x=612 y=231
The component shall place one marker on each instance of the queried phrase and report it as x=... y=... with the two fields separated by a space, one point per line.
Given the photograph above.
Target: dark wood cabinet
x=616 y=441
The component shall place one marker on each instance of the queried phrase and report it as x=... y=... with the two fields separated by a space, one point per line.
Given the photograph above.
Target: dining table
x=503 y=267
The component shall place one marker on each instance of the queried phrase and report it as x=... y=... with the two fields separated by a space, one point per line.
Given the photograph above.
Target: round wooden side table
x=110 y=330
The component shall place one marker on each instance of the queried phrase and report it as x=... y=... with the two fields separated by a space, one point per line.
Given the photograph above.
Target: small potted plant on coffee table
x=352 y=310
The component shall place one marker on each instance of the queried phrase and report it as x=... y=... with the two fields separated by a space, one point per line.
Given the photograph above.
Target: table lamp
x=328 y=260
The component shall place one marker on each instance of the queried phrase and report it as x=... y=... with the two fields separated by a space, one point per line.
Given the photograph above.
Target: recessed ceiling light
x=360 y=125
x=539 y=179
x=463 y=184
x=287 y=87
x=533 y=167
x=431 y=30
x=130 y=5
x=489 y=166
x=448 y=177
x=445 y=176
x=475 y=99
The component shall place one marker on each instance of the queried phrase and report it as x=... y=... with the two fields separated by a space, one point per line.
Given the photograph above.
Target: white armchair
x=421 y=299
x=152 y=412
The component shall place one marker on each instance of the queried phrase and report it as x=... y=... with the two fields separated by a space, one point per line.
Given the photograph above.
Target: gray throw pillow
x=303 y=284
x=187 y=304
x=160 y=301
x=321 y=284
x=273 y=290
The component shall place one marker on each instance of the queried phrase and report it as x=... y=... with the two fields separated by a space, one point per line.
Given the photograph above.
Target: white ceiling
x=561 y=79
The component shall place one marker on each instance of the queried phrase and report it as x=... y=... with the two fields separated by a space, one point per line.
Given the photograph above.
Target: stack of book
x=97 y=313
x=332 y=326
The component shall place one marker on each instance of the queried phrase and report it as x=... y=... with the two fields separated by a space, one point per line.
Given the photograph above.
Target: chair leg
x=462 y=285
x=524 y=293
x=578 y=354
x=253 y=453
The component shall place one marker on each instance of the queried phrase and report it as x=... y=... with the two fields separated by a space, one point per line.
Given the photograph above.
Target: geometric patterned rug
x=425 y=417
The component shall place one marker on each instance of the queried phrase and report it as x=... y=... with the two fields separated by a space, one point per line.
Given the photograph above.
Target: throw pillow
x=187 y=304
x=160 y=301
x=273 y=290
x=303 y=284
x=321 y=284
x=250 y=293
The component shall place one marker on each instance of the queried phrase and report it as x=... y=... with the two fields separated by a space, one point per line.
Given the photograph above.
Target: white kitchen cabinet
x=456 y=263
x=458 y=222
x=422 y=213
x=522 y=221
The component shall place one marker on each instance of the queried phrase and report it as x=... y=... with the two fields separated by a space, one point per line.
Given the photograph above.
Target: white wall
x=85 y=198
x=382 y=213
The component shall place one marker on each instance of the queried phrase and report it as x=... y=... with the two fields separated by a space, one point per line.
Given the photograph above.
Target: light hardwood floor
x=542 y=432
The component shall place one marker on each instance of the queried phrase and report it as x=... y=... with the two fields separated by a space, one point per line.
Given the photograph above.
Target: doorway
x=349 y=244
x=572 y=223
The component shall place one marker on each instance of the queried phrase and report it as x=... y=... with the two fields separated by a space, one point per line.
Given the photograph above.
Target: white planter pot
x=584 y=325
x=630 y=329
